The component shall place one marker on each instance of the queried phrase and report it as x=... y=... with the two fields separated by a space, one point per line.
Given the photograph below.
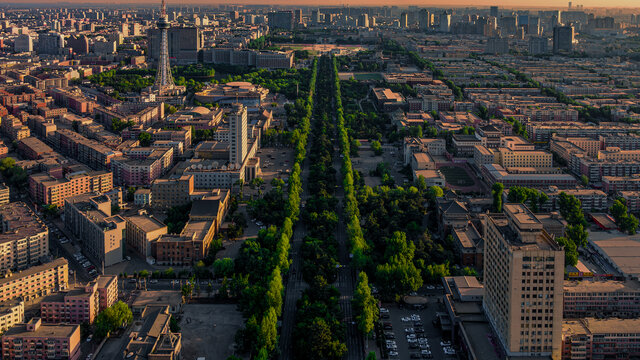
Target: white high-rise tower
x=238 y=134
x=164 y=80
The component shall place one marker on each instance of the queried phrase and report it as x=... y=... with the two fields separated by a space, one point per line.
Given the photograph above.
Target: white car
x=393 y=353
x=409 y=330
x=406 y=319
x=445 y=343
x=411 y=340
x=384 y=311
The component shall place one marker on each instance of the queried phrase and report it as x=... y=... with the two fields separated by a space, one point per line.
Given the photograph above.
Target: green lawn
x=367 y=76
x=456 y=176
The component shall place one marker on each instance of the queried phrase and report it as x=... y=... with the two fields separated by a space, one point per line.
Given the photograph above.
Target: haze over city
x=319 y=181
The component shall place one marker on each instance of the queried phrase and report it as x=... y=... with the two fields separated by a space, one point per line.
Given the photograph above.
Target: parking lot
x=413 y=334
x=209 y=330
x=275 y=162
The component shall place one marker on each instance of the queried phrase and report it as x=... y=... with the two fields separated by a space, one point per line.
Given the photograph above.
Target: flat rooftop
x=601 y=286
x=44 y=331
x=600 y=326
x=621 y=250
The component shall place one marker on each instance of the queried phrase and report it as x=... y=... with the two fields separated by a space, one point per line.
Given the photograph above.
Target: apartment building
x=590 y=199
x=73 y=100
x=606 y=298
x=623 y=141
x=523 y=271
x=528 y=158
x=617 y=154
x=5 y=193
x=107 y=290
x=74 y=306
x=48 y=190
x=489 y=136
x=36 y=281
x=32 y=148
x=11 y=314
x=174 y=191
x=142 y=232
x=89 y=152
x=102 y=235
x=37 y=341
x=590 y=338
x=543 y=131
x=25 y=238
x=133 y=172
x=192 y=244
x=612 y=184
x=529 y=177
x=13 y=128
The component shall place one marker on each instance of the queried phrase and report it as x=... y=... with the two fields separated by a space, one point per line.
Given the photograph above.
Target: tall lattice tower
x=164 y=80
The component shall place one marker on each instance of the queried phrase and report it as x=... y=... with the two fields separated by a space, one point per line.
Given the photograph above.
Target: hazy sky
x=433 y=3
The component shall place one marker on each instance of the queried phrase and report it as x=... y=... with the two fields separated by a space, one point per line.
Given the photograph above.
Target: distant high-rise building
x=23 y=43
x=524 y=274
x=184 y=43
x=494 y=11
x=538 y=45
x=563 y=37
x=237 y=134
x=363 y=20
x=79 y=44
x=234 y=15
x=404 y=20
x=424 y=19
x=445 y=22
x=315 y=16
x=281 y=20
x=50 y=43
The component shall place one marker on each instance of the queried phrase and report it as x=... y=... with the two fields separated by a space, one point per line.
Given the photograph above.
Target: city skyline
x=595 y=4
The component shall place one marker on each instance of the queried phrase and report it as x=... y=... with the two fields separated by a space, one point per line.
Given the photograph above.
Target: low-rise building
x=192 y=244
x=48 y=190
x=36 y=281
x=142 y=232
x=74 y=306
x=590 y=338
x=606 y=298
x=107 y=290
x=37 y=341
x=153 y=338
x=25 y=238
x=11 y=314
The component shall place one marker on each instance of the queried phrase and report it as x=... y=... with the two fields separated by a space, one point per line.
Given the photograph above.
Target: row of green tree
x=319 y=331
x=364 y=304
x=257 y=281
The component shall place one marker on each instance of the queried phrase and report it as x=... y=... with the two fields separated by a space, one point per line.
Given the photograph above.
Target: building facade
x=524 y=272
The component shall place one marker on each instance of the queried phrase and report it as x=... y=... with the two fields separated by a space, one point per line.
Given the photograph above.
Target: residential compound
x=193 y=242
x=592 y=338
x=524 y=272
x=35 y=340
x=80 y=304
x=46 y=189
x=24 y=240
x=35 y=281
x=102 y=235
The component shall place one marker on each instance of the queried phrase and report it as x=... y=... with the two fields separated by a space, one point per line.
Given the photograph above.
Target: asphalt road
x=294 y=282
